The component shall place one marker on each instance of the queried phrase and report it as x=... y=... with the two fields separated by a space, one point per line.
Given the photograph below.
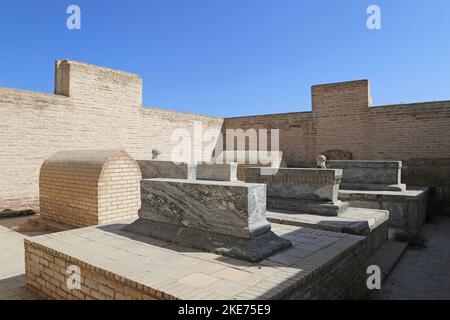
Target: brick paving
x=423 y=273
x=156 y=269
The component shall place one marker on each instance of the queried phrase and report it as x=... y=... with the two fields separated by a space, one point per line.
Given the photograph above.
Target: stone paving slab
x=358 y=221
x=423 y=273
x=374 y=195
x=192 y=274
x=12 y=267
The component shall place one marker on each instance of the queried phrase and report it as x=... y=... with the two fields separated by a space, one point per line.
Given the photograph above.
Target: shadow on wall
x=434 y=173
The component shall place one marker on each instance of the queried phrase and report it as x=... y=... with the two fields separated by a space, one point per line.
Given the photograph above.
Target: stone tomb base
x=252 y=249
x=115 y=264
x=323 y=208
x=407 y=209
x=358 y=221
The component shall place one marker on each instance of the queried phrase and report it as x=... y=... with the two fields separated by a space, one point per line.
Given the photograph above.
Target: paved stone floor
x=194 y=274
x=423 y=273
x=12 y=267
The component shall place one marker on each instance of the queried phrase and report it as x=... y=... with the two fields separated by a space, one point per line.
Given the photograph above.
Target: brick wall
x=342 y=118
x=101 y=108
x=46 y=273
x=296 y=133
x=340 y=115
x=94 y=107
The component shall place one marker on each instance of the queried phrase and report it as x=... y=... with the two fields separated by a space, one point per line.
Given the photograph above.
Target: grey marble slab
x=166 y=169
x=369 y=175
x=306 y=190
x=217 y=172
x=224 y=217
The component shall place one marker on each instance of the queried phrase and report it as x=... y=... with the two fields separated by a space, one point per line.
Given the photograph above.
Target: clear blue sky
x=235 y=57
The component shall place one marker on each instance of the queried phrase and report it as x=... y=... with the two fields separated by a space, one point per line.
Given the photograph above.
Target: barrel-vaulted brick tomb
x=377 y=185
x=89 y=187
x=223 y=217
x=308 y=197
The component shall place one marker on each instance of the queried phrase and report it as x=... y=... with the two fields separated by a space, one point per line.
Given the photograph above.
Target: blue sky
x=235 y=57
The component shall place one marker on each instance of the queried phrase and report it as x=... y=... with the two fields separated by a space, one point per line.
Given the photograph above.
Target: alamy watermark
x=249 y=146
x=74 y=279
x=374 y=280
x=73 y=22
x=374 y=20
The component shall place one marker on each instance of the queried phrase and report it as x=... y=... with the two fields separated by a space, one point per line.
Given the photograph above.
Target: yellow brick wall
x=103 y=111
x=119 y=190
x=46 y=275
x=340 y=115
x=342 y=118
x=296 y=133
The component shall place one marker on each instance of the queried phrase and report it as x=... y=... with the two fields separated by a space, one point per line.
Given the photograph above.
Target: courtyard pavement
x=12 y=266
x=423 y=273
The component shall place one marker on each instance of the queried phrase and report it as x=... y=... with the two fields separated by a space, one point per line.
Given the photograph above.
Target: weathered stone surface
x=217 y=172
x=369 y=175
x=166 y=169
x=407 y=209
x=326 y=208
x=304 y=190
x=236 y=209
x=223 y=217
x=202 y=171
x=359 y=221
x=254 y=249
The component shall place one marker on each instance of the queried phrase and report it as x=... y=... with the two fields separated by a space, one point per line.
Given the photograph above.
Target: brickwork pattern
x=89 y=187
x=343 y=118
x=46 y=272
x=95 y=108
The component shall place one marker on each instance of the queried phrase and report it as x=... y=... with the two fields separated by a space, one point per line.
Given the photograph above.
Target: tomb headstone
x=217 y=172
x=166 y=169
x=369 y=175
x=303 y=190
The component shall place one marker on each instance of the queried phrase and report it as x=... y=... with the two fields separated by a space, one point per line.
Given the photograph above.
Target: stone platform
x=358 y=221
x=407 y=209
x=119 y=265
